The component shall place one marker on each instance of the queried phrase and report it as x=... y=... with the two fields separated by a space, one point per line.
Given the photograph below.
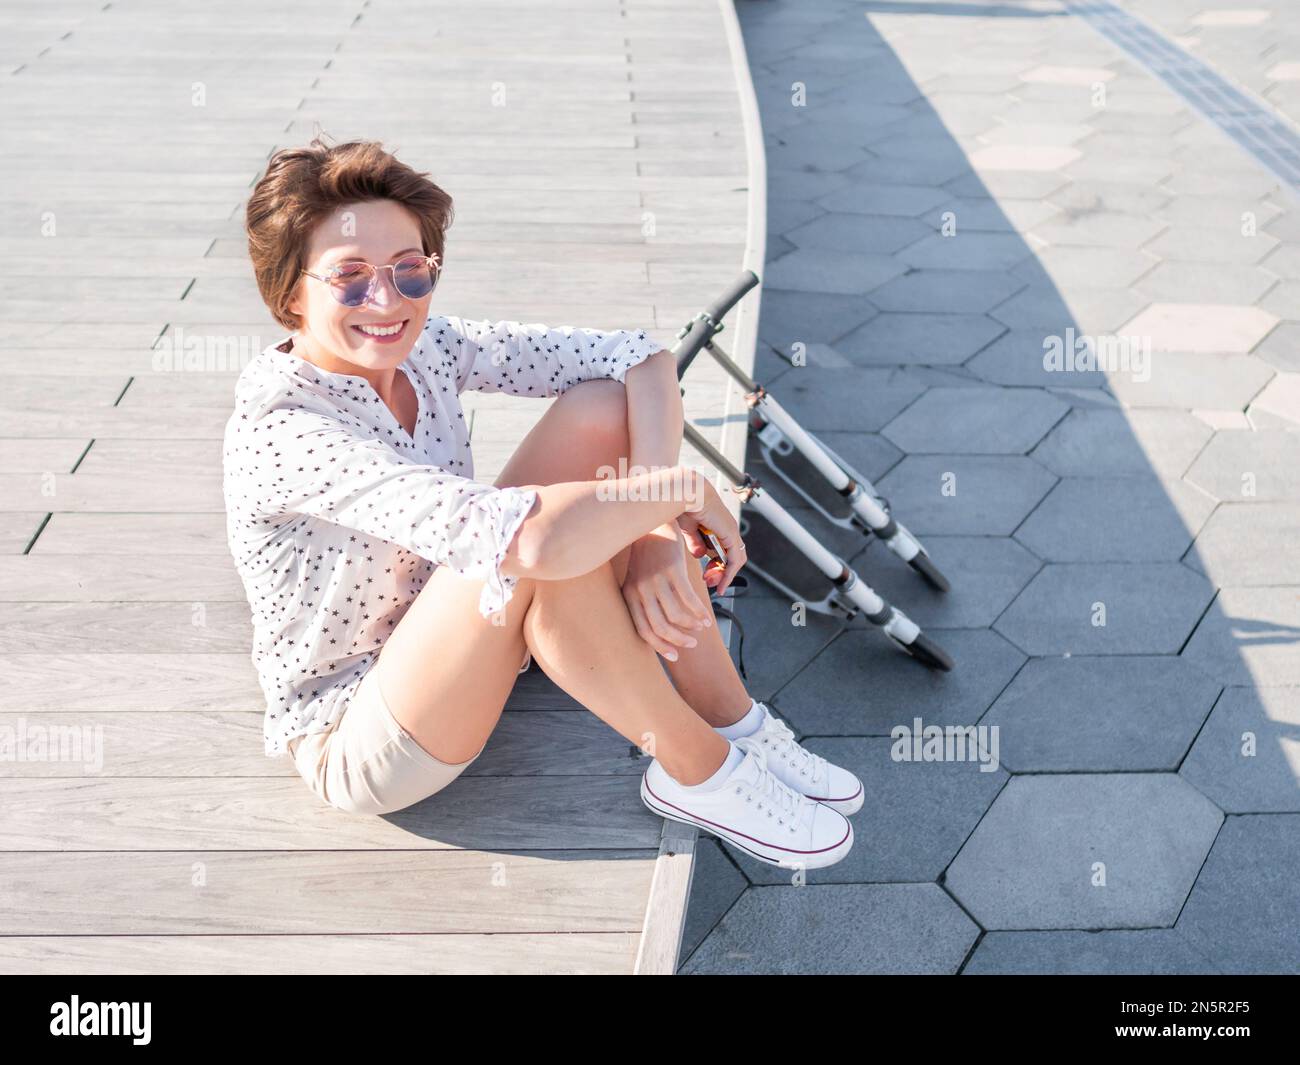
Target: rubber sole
x=847 y=807
x=763 y=852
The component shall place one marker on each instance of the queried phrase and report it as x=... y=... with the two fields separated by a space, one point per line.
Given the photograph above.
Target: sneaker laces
x=767 y=785
x=781 y=737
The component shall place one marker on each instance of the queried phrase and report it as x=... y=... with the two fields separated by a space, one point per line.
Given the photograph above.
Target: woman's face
x=378 y=232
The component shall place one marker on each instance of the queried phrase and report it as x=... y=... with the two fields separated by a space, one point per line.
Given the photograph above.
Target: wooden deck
x=598 y=160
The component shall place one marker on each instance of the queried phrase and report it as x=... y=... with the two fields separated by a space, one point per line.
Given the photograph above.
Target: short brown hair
x=301 y=186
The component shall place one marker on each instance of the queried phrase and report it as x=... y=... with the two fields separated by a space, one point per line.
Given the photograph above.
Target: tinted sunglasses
x=353 y=283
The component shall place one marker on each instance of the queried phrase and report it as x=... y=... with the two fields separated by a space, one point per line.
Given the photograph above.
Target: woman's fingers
x=694 y=543
x=677 y=611
x=647 y=632
x=694 y=612
x=736 y=558
x=665 y=629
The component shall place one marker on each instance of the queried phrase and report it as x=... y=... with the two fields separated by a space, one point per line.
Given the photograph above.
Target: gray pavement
x=950 y=185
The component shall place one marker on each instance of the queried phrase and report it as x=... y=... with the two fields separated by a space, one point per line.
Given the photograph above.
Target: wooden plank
x=412 y=890
x=89 y=813
x=201 y=743
x=501 y=953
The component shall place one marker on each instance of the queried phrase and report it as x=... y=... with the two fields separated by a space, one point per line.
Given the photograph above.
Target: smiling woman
x=394 y=597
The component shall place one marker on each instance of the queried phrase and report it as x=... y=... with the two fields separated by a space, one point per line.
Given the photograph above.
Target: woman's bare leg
x=594 y=415
x=446 y=671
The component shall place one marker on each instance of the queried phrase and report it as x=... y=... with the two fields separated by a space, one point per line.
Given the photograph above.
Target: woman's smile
x=383 y=332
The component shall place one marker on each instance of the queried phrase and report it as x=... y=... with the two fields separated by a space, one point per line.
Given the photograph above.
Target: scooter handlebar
x=703 y=327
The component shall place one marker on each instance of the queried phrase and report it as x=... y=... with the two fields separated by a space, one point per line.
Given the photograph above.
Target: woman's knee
x=601 y=429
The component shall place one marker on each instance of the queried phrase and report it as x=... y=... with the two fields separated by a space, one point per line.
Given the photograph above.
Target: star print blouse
x=336 y=516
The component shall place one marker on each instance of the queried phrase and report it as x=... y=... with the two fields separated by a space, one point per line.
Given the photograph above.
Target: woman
x=394 y=597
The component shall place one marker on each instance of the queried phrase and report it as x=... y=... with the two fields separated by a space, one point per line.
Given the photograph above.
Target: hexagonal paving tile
x=1223 y=245
x=1038 y=857
x=1088 y=196
x=858 y=398
x=803 y=184
x=785 y=214
x=976 y=495
x=1278 y=404
x=1193 y=382
x=972 y=250
x=1019 y=356
x=1219 y=212
x=823 y=154
x=931 y=806
x=1128 y=952
x=1066 y=75
x=996 y=216
x=716 y=884
x=838 y=928
x=1201 y=327
x=1116 y=443
x=863 y=685
x=946 y=291
x=1103 y=229
x=1024 y=157
x=919 y=143
x=1115 y=519
x=977 y=421
x=1104 y=166
x=1208 y=282
x=1251 y=636
x=1247 y=466
x=1285 y=262
x=1247 y=757
x=925 y=339
x=905 y=173
x=1041 y=305
x=1281 y=348
x=819 y=270
x=1009 y=184
x=1248 y=544
x=774 y=651
x=807 y=317
x=1100 y=714
x=907 y=201
x=1244 y=911
x=986 y=572
x=1087 y=267
x=1106 y=608
x=876 y=234
x=1284 y=300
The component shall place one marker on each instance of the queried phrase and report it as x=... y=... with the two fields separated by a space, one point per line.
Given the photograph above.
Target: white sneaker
x=756 y=812
x=809 y=774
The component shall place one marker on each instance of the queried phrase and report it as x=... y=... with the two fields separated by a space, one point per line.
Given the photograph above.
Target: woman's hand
x=711 y=512
x=659 y=594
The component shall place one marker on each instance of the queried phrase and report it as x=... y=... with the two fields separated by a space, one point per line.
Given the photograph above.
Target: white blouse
x=336 y=516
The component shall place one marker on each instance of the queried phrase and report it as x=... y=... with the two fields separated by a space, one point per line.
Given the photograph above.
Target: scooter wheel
x=929 y=653
x=927 y=569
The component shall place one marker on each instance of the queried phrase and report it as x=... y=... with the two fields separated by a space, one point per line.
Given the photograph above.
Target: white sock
x=734 y=757
x=746 y=726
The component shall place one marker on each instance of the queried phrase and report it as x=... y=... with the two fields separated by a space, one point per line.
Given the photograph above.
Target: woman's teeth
x=381 y=331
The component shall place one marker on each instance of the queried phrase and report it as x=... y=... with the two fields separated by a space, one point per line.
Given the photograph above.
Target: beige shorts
x=367 y=763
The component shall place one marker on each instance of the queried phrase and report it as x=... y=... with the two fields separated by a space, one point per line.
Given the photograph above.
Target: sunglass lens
x=414 y=277
x=350 y=283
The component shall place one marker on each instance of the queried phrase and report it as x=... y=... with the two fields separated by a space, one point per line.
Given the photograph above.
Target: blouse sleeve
x=537 y=360
x=297 y=461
